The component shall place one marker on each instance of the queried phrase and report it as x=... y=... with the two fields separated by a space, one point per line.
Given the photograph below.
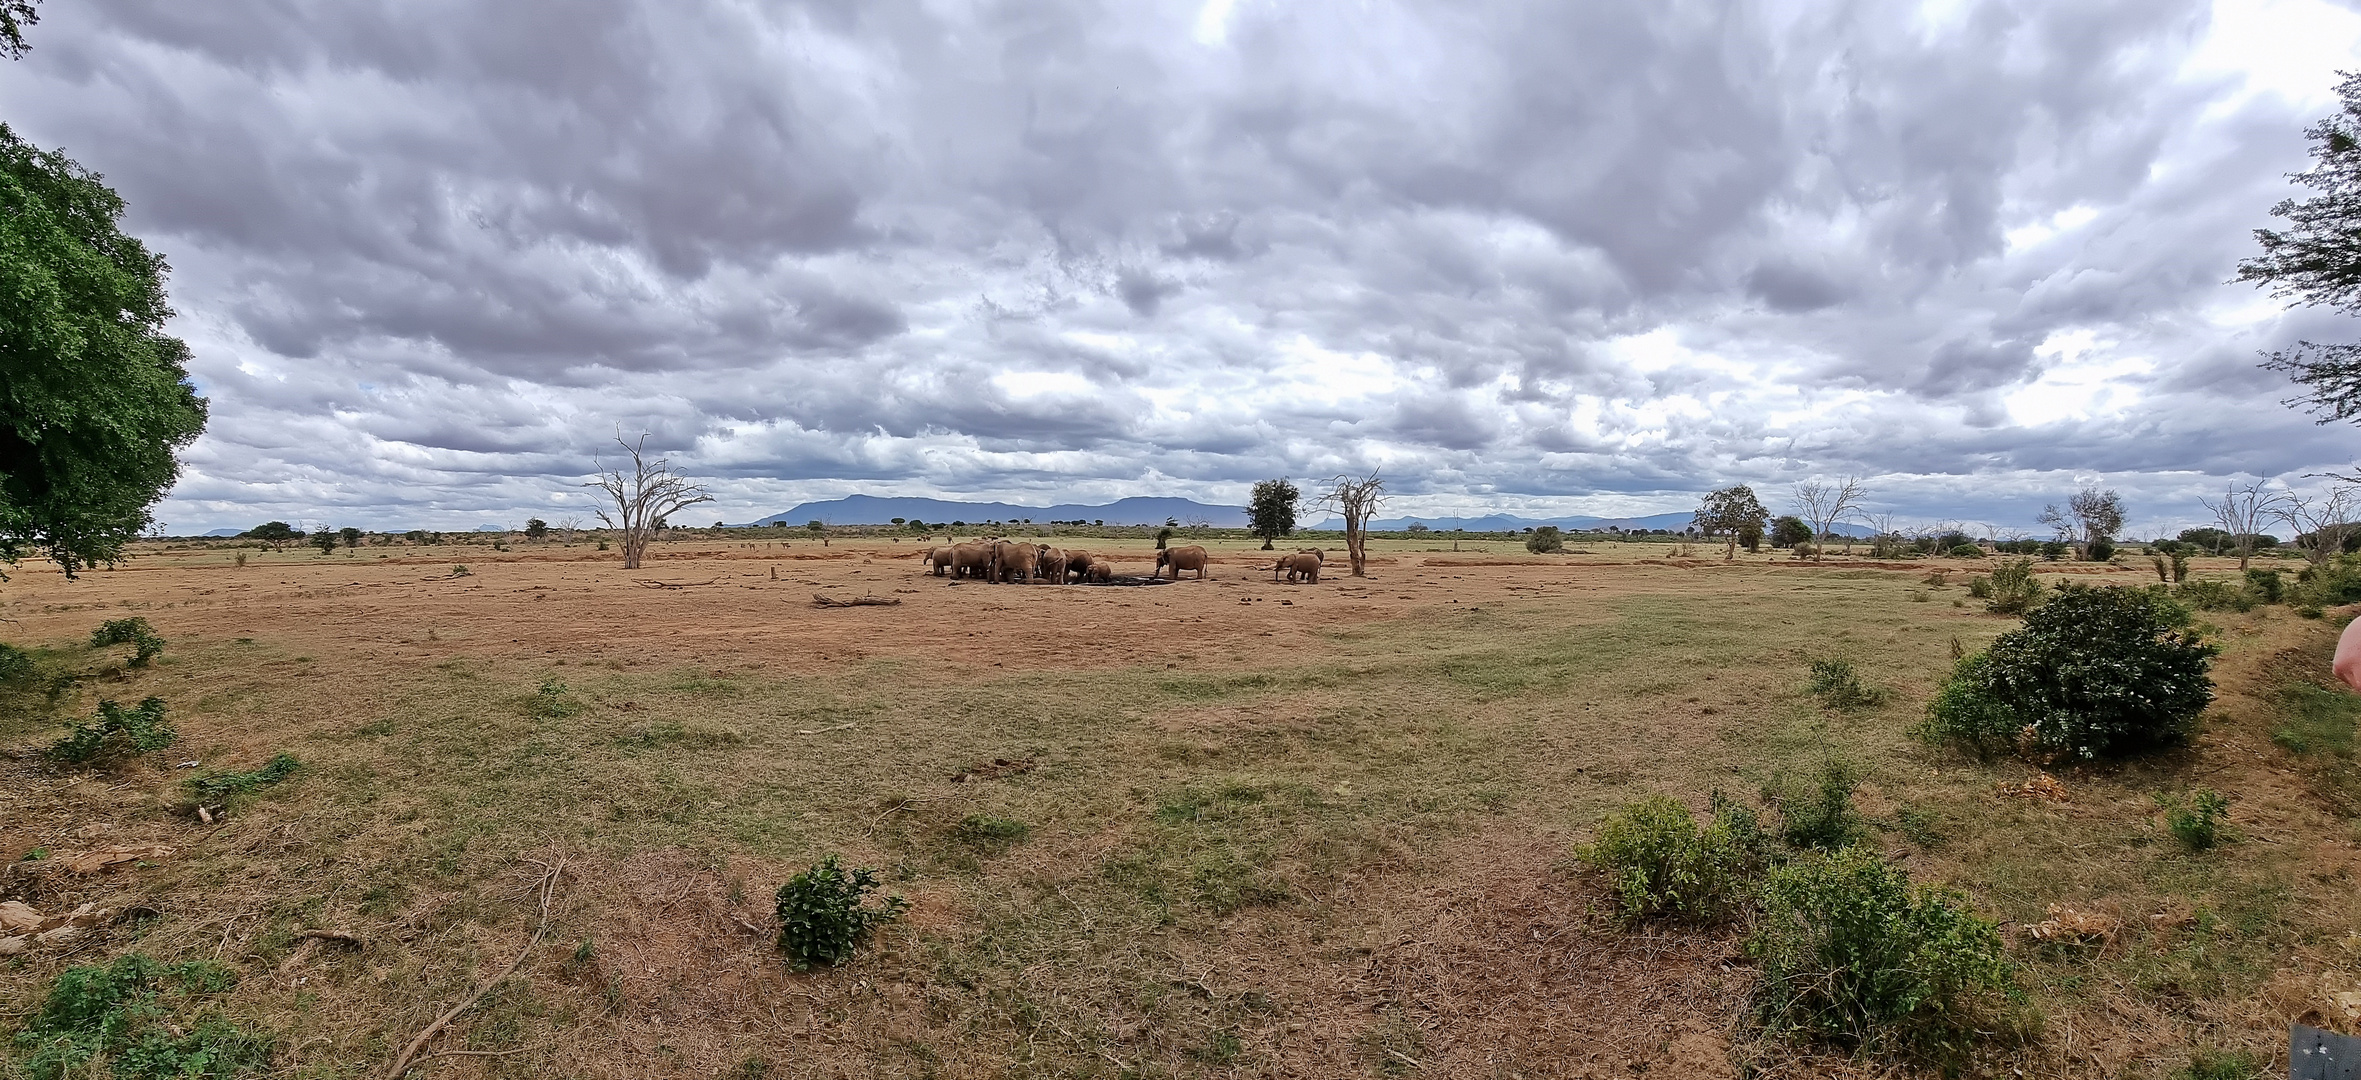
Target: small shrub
x=460 y=570
x=2053 y=550
x=1938 y=577
x=1545 y=540
x=215 y=787
x=116 y=732
x=2015 y=589
x=1837 y=684
x=2095 y=672
x=1806 y=551
x=554 y=701
x=2163 y=569
x=2337 y=581
x=1966 y=551
x=16 y=666
x=2180 y=565
x=1661 y=863
x=1980 y=587
x=134 y=632
x=121 y=1019
x=1851 y=951
x=2100 y=550
x=2198 y=822
x=1920 y=596
x=1819 y=814
x=823 y=916
x=2214 y=594
x=2266 y=585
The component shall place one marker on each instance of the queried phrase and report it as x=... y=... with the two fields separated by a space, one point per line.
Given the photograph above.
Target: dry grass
x=1226 y=829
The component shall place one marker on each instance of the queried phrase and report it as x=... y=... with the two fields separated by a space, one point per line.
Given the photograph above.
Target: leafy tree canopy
x=2316 y=259
x=94 y=396
x=1732 y=512
x=1270 y=512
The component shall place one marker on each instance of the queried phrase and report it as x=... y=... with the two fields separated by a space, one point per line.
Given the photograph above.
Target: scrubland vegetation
x=1189 y=833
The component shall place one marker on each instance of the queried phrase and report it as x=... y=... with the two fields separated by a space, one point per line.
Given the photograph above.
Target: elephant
x=1052 y=567
x=971 y=560
x=1302 y=564
x=1101 y=571
x=940 y=558
x=1013 y=562
x=1077 y=564
x=1191 y=557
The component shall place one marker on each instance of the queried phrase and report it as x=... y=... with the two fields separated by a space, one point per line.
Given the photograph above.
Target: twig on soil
x=673 y=584
x=823 y=600
x=336 y=936
x=822 y=730
x=547 y=885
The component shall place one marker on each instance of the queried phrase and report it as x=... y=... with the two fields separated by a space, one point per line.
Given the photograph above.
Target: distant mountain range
x=873 y=510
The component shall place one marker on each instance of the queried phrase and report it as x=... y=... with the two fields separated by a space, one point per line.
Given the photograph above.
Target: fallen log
x=673 y=584
x=824 y=600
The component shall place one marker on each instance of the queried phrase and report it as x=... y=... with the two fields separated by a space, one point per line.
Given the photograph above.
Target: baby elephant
x=1302 y=564
x=1101 y=571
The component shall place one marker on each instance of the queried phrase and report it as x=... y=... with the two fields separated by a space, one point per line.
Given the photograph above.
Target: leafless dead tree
x=567 y=528
x=2320 y=522
x=2241 y=513
x=1825 y=505
x=1357 y=501
x=644 y=497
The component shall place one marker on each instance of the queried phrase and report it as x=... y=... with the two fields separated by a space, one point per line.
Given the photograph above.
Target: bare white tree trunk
x=2320 y=523
x=644 y=497
x=2241 y=513
x=1826 y=505
x=1357 y=501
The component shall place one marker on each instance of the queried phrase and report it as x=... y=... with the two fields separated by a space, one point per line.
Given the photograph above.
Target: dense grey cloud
x=1525 y=257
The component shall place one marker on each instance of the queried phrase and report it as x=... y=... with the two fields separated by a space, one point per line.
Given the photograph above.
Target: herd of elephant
x=1013 y=562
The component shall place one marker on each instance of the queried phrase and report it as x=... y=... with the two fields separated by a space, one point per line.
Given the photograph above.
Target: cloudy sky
x=1547 y=257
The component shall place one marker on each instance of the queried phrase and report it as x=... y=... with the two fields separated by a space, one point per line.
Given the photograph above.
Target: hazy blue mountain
x=873 y=510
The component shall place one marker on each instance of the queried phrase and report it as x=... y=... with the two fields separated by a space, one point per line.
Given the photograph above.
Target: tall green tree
x=94 y=395
x=2316 y=259
x=1270 y=511
x=15 y=15
x=1733 y=513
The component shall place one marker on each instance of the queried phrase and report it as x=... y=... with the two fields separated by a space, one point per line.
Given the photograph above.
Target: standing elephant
x=1013 y=562
x=1077 y=564
x=971 y=560
x=1191 y=557
x=1301 y=564
x=939 y=558
x=1052 y=565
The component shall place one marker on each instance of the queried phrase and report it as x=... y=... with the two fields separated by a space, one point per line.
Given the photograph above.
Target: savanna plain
x=1234 y=827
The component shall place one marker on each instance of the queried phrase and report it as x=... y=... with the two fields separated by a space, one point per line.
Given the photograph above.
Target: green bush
x=822 y=913
x=2100 y=550
x=1545 y=540
x=1851 y=951
x=122 y=1020
x=16 y=665
x=1836 y=683
x=2214 y=594
x=1963 y=714
x=134 y=632
x=2200 y=821
x=1661 y=863
x=1980 y=587
x=215 y=787
x=115 y=732
x=1966 y=551
x=2337 y=581
x=2015 y=589
x=2095 y=672
x=553 y=701
x=2053 y=550
x=2266 y=584
x=1818 y=814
